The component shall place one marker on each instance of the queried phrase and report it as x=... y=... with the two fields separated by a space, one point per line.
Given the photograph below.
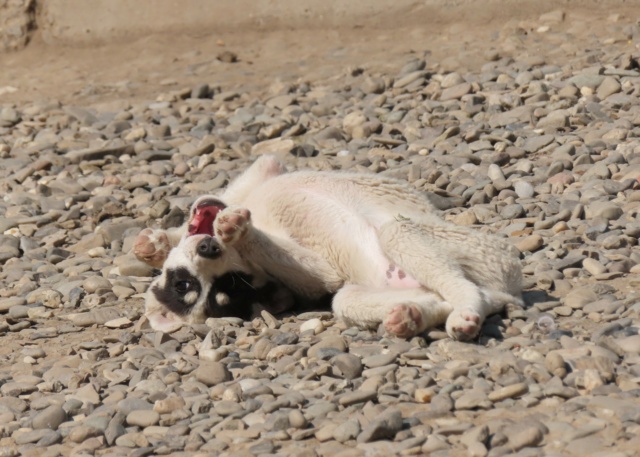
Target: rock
x=557 y=119
x=51 y=417
x=471 y=400
x=525 y=436
x=349 y=365
x=511 y=391
x=603 y=209
x=143 y=418
x=330 y=342
x=94 y=283
x=347 y=431
x=593 y=266
x=409 y=78
x=383 y=427
x=579 y=297
x=523 y=189
x=373 y=85
x=530 y=243
x=455 y=92
x=212 y=373
x=607 y=87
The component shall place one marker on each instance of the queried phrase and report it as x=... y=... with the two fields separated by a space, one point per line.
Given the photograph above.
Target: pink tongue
x=202 y=222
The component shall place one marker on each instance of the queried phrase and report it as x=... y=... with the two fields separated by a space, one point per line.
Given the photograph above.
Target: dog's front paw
x=152 y=247
x=231 y=224
x=463 y=324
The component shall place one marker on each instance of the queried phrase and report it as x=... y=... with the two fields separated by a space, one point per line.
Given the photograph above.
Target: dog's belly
x=337 y=227
x=397 y=278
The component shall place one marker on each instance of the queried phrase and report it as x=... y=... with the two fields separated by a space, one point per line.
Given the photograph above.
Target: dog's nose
x=208 y=248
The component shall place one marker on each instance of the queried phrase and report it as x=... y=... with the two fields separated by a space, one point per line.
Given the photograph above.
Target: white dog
x=375 y=242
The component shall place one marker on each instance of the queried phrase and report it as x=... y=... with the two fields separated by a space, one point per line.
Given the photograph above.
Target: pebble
x=51 y=417
x=525 y=436
x=511 y=391
x=212 y=373
x=530 y=243
x=579 y=297
x=523 y=189
x=383 y=427
x=143 y=418
x=349 y=365
x=347 y=431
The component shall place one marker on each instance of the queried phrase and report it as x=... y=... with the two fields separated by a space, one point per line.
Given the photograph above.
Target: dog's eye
x=182 y=286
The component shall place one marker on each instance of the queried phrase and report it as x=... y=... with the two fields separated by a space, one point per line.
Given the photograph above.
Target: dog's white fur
x=375 y=242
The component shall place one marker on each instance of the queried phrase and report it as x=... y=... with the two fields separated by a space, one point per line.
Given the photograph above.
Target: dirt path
x=141 y=69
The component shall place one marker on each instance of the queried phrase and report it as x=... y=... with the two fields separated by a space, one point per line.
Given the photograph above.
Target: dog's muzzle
x=209 y=248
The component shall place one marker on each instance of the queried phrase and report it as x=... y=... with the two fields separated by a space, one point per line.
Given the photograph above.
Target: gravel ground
x=538 y=142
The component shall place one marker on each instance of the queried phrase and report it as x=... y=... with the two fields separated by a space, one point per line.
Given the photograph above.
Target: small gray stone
x=7 y=303
x=348 y=365
x=604 y=209
x=472 y=399
x=409 y=78
x=580 y=297
x=51 y=417
x=557 y=119
x=347 y=431
x=535 y=143
x=359 y=396
x=226 y=408
x=94 y=283
x=379 y=360
x=35 y=436
x=81 y=433
x=373 y=85
x=383 y=427
x=593 y=266
x=336 y=343
x=297 y=419
x=525 y=436
x=523 y=189
x=212 y=373
x=511 y=391
x=607 y=87
x=455 y=92
x=143 y=417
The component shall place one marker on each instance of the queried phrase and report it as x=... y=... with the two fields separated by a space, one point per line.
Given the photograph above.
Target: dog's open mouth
x=203 y=216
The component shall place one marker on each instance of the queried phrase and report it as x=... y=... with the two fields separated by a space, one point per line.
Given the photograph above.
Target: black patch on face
x=179 y=282
x=242 y=295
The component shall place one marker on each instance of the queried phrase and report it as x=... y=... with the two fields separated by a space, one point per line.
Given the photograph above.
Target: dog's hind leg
x=458 y=265
x=264 y=168
x=404 y=312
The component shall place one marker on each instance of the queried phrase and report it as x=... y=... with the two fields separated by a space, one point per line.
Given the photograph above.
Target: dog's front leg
x=152 y=246
x=300 y=269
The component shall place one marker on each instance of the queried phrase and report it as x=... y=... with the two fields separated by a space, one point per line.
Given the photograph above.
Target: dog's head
x=202 y=278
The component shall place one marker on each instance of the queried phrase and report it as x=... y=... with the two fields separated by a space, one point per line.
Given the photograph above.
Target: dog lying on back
x=374 y=242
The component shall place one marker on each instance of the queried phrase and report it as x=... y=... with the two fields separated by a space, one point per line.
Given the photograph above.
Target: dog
x=374 y=242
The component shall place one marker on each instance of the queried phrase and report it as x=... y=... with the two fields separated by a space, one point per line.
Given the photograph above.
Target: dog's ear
x=164 y=321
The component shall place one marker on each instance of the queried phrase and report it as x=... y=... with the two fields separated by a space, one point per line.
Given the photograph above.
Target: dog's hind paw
x=403 y=321
x=152 y=247
x=463 y=324
x=231 y=224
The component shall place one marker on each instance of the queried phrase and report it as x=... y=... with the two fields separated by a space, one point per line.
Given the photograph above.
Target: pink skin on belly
x=397 y=278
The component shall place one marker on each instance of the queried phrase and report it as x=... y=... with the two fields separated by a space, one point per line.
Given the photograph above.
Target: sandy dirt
x=141 y=69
